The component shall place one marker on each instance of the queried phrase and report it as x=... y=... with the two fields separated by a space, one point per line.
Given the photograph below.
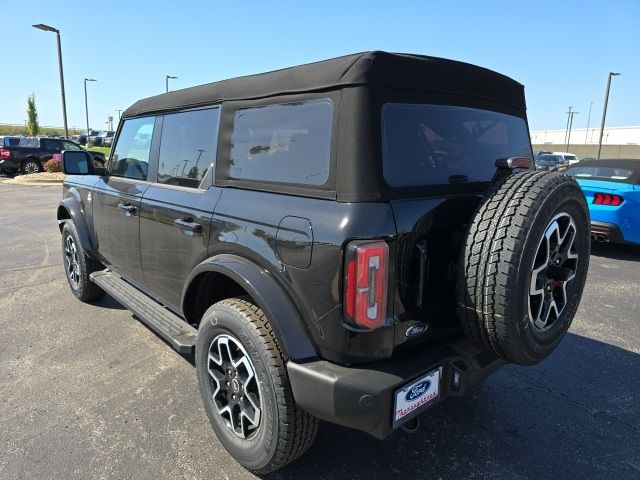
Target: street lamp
x=604 y=111
x=166 y=80
x=86 y=107
x=47 y=28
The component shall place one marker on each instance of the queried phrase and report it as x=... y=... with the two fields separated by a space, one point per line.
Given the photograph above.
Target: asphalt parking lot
x=86 y=391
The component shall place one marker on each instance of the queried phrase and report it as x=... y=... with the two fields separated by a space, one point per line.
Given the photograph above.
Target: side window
x=130 y=157
x=188 y=146
x=48 y=144
x=289 y=143
x=70 y=146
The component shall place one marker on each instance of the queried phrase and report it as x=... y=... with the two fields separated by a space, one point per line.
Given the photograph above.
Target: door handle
x=187 y=225
x=127 y=208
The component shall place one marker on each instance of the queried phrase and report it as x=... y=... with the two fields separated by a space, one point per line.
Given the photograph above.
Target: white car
x=568 y=157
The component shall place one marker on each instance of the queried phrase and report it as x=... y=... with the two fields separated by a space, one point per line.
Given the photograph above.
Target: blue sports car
x=612 y=190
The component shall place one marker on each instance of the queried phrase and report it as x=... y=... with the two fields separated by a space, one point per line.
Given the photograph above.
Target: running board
x=169 y=326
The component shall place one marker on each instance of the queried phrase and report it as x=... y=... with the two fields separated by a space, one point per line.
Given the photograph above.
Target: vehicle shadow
x=575 y=415
x=109 y=302
x=615 y=251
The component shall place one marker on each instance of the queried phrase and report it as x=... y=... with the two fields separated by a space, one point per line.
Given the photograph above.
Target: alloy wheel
x=553 y=272
x=234 y=385
x=71 y=259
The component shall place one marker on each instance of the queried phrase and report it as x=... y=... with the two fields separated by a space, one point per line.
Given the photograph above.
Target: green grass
x=104 y=150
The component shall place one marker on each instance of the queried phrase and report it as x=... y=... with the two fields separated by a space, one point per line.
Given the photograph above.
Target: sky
x=561 y=51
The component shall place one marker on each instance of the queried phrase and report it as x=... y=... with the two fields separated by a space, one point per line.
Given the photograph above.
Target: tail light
x=607 y=199
x=4 y=153
x=365 y=286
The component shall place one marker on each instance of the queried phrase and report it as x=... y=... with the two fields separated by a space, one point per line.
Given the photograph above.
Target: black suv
x=351 y=240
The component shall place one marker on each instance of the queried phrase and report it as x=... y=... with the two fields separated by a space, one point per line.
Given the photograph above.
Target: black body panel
x=174 y=237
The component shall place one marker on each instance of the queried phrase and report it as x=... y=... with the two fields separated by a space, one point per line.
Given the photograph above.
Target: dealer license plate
x=416 y=396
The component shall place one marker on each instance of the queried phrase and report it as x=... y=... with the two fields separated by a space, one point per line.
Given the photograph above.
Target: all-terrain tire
x=502 y=249
x=79 y=282
x=285 y=431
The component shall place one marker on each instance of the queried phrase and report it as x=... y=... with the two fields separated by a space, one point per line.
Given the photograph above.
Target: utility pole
x=119 y=112
x=604 y=110
x=566 y=130
x=588 y=121
x=570 y=125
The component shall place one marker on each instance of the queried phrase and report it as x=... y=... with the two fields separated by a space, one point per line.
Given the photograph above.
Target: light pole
x=588 y=121
x=166 y=81
x=604 y=111
x=47 y=28
x=86 y=107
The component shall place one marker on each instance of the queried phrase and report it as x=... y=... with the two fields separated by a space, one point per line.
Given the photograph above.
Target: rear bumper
x=362 y=397
x=606 y=232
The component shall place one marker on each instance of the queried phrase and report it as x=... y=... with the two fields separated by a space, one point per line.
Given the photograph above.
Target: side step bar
x=169 y=326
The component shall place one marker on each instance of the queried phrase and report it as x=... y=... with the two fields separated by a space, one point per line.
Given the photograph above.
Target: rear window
x=439 y=144
x=288 y=143
x=607 y=173
x=549 y=158
x=30 y=142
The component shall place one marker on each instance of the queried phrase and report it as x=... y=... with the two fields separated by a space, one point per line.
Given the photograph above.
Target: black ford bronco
x=351 y=240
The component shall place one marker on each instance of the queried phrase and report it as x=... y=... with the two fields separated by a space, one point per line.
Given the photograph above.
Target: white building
x=611 y=136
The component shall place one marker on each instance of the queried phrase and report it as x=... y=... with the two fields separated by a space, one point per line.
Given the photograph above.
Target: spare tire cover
x=523 y=266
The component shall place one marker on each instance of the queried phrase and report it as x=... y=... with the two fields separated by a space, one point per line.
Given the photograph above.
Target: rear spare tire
x=523 y=266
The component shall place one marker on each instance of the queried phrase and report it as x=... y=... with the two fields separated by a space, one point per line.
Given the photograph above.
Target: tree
x=32 y=116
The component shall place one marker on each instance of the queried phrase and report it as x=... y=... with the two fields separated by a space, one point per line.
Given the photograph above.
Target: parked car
x=612 y=189
x=9 y=141
x=31 y=153
x=357 y=273
x=107 y=141
x=540 y=152
x=98 y=139
x=82 y=138
x=550 y=162
x=569 y=158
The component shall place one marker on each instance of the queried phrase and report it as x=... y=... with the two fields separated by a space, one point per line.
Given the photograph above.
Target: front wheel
x=245 y=388
x=78 y=266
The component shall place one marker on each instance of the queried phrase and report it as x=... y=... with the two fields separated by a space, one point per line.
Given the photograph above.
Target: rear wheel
x=31 y=166
x=245 y=388
x=523 y=266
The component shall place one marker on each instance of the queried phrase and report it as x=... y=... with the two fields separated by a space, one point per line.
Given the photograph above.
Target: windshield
x=608 y=173
x=439 y=144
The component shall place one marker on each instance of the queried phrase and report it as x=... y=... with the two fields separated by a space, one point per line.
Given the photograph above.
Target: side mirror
x=77 y=163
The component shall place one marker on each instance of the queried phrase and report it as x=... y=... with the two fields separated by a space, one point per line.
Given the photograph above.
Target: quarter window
x=188 y=147
x=130 y=157
x=288 y=143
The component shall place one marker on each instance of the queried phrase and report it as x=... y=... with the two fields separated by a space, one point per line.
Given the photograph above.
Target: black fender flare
x=284 y=317
x=74 y=212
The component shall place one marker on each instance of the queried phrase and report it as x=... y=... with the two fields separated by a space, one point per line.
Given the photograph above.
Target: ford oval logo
x=416 y=329
x=417 y=390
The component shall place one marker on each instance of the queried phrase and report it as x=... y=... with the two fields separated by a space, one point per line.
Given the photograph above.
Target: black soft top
x=394 y=70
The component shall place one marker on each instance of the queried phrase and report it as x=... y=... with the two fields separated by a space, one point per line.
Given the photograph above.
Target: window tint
x=49 y=144
x=70 y=146
x=130 y=157
x=289 y=143
x=188 y=146
x=440 y=144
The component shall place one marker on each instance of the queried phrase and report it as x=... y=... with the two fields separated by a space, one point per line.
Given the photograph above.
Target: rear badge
x=416 y=329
